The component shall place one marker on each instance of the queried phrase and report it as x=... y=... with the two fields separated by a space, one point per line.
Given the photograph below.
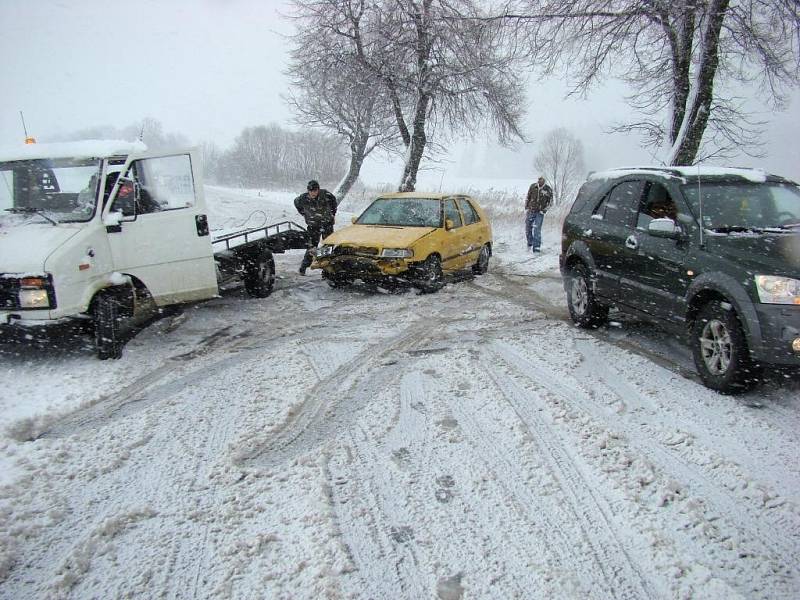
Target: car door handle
x=632 y=242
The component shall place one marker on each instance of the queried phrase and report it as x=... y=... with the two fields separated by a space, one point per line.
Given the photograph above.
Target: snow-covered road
x=355 y=443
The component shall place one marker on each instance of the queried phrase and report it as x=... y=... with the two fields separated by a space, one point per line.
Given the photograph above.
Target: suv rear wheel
x=583 y=307
x=720 y=350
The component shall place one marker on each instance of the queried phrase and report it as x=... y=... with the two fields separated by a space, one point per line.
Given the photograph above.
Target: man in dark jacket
x=318 y=208
x=539 y=198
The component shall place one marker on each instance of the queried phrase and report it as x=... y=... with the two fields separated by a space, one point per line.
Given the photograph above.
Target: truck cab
x=96 y=230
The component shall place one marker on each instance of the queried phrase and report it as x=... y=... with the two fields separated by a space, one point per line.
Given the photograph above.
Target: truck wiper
x=736 y=229
x=32 y=210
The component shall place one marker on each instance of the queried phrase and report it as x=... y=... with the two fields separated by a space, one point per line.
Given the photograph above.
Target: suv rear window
x=621 y=204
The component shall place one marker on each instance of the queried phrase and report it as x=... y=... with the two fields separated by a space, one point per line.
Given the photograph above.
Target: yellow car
x=411 y=236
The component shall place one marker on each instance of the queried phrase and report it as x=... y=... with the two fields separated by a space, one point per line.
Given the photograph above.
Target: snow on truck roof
x=83 y=149
x=754 y=175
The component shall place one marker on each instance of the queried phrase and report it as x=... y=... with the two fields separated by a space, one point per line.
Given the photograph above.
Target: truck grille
x=9 y=292
x=354 y=251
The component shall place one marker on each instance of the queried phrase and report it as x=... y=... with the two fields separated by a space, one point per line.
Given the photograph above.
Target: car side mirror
x=664 y=228
x=448 y=224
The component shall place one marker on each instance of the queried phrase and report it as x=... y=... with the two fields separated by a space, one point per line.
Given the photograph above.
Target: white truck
x=107 y=232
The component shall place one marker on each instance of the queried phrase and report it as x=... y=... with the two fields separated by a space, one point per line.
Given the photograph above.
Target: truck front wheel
x=259 y=276
x=107 y=326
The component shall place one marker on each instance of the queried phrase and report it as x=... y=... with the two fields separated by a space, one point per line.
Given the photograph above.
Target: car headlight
x=778 y=290
x=396 y=253
x=325 y=250
x=33 y=293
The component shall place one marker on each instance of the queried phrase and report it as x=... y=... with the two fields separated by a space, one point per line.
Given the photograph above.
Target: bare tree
x=682 y=58
x=336 y=93
x=441 y=66
x=560 y=161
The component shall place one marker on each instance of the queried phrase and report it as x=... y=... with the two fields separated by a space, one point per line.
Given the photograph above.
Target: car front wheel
x=430 y=277
x=584 y=308
x=720 y=350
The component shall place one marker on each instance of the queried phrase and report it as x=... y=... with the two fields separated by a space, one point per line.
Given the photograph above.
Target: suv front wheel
x=583 y=306
x=720 y=349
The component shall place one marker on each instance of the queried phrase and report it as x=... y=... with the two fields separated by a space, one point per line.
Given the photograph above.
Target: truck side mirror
x=113 y=221
x=353 y=220
x=448 y=224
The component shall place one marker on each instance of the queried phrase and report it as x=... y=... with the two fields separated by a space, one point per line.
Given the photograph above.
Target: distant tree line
x=267 y=156
x=148 y=130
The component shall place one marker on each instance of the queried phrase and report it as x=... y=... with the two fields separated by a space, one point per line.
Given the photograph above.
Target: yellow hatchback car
x=415 y=237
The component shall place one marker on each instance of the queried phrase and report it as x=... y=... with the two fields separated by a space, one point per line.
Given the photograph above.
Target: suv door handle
x=632 y=242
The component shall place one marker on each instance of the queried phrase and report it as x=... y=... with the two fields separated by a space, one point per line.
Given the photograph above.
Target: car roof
x=689 y=173
x=82 y=149
x=434 y=195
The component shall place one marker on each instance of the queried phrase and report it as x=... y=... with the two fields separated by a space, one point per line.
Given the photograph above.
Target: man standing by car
x=318 y=208
x=539 y=198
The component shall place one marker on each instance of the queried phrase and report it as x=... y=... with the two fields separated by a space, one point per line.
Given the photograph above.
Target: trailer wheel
x=259 y=277
x=107 y=326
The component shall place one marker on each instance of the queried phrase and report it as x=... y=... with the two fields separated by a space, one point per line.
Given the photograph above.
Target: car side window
x=469 y=212
x=656 y=204
x=620 y=205
x=451 y=212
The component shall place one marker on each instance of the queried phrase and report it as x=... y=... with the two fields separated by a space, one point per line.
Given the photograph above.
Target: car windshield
x=405 y=212
x=745 y=205
x=61 y=190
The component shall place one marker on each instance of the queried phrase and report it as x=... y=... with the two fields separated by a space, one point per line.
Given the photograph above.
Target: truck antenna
x=28 y=139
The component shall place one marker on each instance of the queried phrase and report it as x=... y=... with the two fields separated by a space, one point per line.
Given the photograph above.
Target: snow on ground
x=360 y=444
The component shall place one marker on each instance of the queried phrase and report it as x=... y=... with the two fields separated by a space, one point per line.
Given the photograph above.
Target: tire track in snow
x=620 y=573
x=392 y=489
x=762 y=528
x=331 y=403
x=194 y=367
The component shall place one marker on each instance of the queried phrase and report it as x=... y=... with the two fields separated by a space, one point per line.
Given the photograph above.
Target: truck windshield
x=62 y=190
x=737 y=206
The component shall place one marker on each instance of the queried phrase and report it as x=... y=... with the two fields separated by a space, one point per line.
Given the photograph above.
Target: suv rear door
x=654 y=279
x=610 y=226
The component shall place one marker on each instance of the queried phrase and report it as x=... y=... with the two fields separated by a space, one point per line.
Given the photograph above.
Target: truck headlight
x=33 y=293
x=325 y=250
x=778 y=290
x=396 y=253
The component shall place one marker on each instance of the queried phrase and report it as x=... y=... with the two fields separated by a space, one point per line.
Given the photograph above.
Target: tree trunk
x=417 y=147
x=698 y=107
x=358 y=152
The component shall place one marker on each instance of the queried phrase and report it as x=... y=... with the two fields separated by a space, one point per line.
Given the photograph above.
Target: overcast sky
x=209 y=68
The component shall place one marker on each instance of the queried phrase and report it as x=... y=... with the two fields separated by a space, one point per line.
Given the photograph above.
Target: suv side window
x=620 y=205
x=656 y=204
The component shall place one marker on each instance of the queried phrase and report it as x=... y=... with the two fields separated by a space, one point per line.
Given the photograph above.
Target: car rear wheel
x=481 y=266
x=430 y=275
x=584 y=308
x=259 y=277
x=720 y=350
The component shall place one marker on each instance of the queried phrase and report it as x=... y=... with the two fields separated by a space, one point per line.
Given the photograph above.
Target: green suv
x=708 y=252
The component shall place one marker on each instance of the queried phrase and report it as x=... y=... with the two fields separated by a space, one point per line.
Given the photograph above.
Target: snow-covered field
x=359 y=444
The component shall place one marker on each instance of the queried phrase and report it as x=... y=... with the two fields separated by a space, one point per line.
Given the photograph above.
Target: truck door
x=162 y=237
